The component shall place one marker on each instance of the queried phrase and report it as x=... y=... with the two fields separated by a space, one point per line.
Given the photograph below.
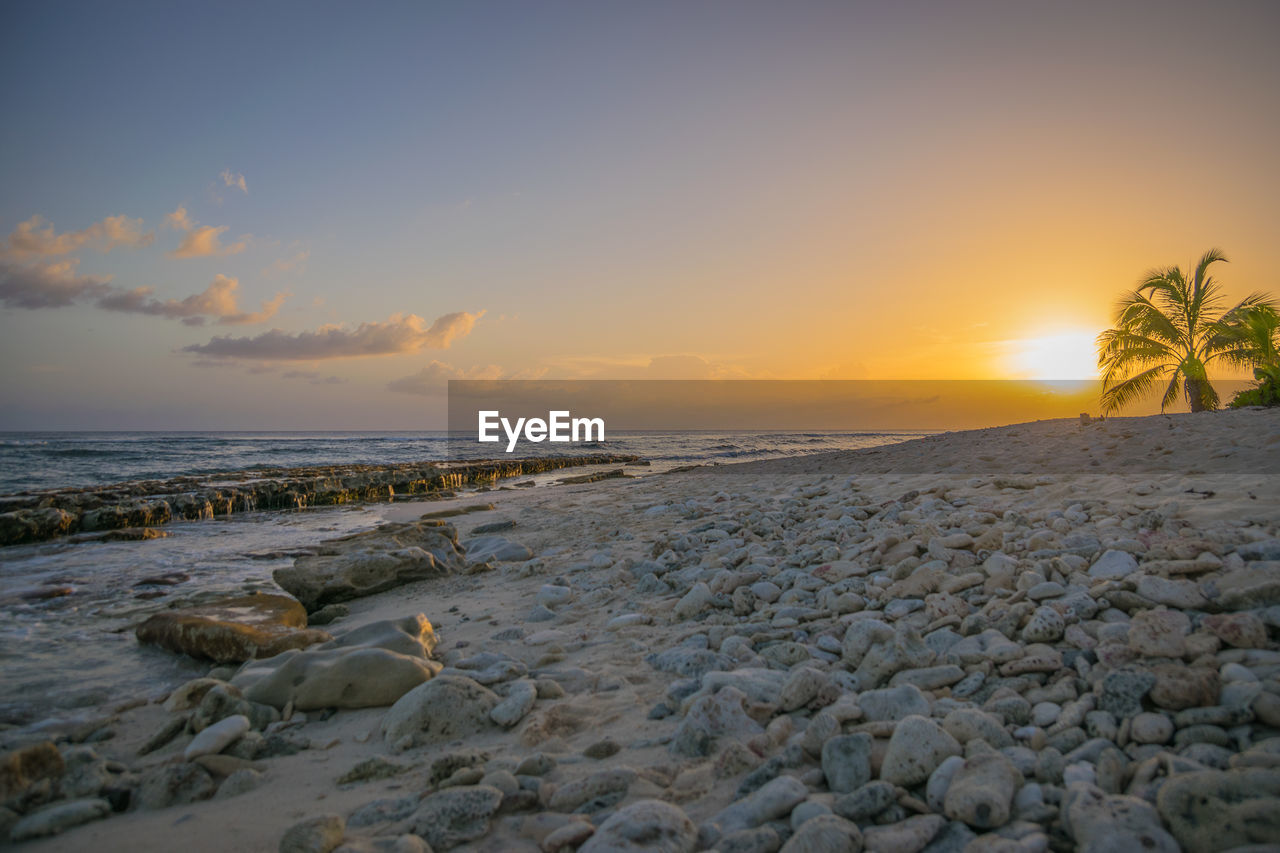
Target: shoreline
x=772 y=608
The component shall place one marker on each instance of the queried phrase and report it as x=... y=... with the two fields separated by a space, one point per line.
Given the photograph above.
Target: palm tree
x=1251 y=336
x=1167 y=332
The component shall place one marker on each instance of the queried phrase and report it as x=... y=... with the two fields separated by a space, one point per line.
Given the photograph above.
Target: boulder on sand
x=371 y=562
x=370 y=666
x=233 y=630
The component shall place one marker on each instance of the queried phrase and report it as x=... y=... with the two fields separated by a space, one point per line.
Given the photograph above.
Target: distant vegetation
x=1171 y=328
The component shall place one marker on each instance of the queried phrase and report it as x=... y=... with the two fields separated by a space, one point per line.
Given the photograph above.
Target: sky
x=312 y=215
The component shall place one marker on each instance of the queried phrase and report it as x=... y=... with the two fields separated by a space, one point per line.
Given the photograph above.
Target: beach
x=1054 y=635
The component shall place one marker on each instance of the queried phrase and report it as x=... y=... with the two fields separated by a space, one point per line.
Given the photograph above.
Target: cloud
x=400 y=334
x=295 y=263
x=648 y=367
x=218 y=300
x=206 y=242
x=53 y=285
x=314 y=377
x=433 y=380
x=36 y=238
x=180 y=220
x=234 y=179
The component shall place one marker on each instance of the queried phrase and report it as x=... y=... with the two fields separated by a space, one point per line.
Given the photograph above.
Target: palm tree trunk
x=1195 y=394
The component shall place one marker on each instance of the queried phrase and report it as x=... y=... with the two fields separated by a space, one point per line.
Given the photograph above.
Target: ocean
x=65 y=656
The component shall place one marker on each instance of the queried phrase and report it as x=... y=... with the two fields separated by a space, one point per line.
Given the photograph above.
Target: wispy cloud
x=217 y=301
x=400 y=334
x=205 y=242
x=55 y=285
x=433 y=380
x=234 y=179
x=295 y=263
x=179 y=219
x=36 y=238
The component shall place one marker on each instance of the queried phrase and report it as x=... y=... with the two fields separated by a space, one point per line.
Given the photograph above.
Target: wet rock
x=981 y=793
x=233 y=629
x=441 y=709
x=370 y=562
x=650 y=825
x=825 y=834
x=915 y=750
x=456 y=815
x=1217 y=810
x=314 y=835
x=58 y=818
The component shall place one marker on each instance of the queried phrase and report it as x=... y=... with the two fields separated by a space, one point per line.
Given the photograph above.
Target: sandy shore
x=1028 y=638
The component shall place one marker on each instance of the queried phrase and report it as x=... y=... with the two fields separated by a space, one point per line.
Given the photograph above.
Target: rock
x=649 y=825
x=879 y=651
x=1113 y=565
x=1267 y=549
x=1099 y=822
x=775 y=799
x=1172 y=593
x=710 y=717
x=696 y=600
x=329 y=613
x=1122 y=692
x=58 y=817
x=981 y=793
x=610 y=784
x=935 y=791
x=1045 y=626
x=188 y=695
x=440 y=710
x=370 y=667
x=455 y=815
x=314 y=835
x=846 y=762
x=1242 y=630
x=1177 y=687
x=232 y=630
x=519 y=702
x=1149 y=727
x=1218 y=810
x=385 y=844
x=1159 y=633
x=800 y=688
x=240 y=782
x=373 y=561
x=762 y=839
x=915 y=750
x=217 y=737
x=825 y=834
x=21 y=768
x=173 y=785
x=893 y=703
x=866 y=802
x=910 y=836
x=495 y=549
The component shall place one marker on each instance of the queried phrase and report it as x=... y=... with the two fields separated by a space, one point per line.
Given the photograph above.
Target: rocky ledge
x=37 y=516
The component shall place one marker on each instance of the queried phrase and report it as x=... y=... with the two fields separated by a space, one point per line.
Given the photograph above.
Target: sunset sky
x=311 y=215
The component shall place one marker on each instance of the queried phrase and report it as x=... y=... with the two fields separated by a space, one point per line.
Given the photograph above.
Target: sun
x=1055 y=355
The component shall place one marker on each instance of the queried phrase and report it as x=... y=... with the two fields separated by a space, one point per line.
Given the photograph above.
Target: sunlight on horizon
x=1062 y=355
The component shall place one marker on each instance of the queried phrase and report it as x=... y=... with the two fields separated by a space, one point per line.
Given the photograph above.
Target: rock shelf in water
x=37 y=516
